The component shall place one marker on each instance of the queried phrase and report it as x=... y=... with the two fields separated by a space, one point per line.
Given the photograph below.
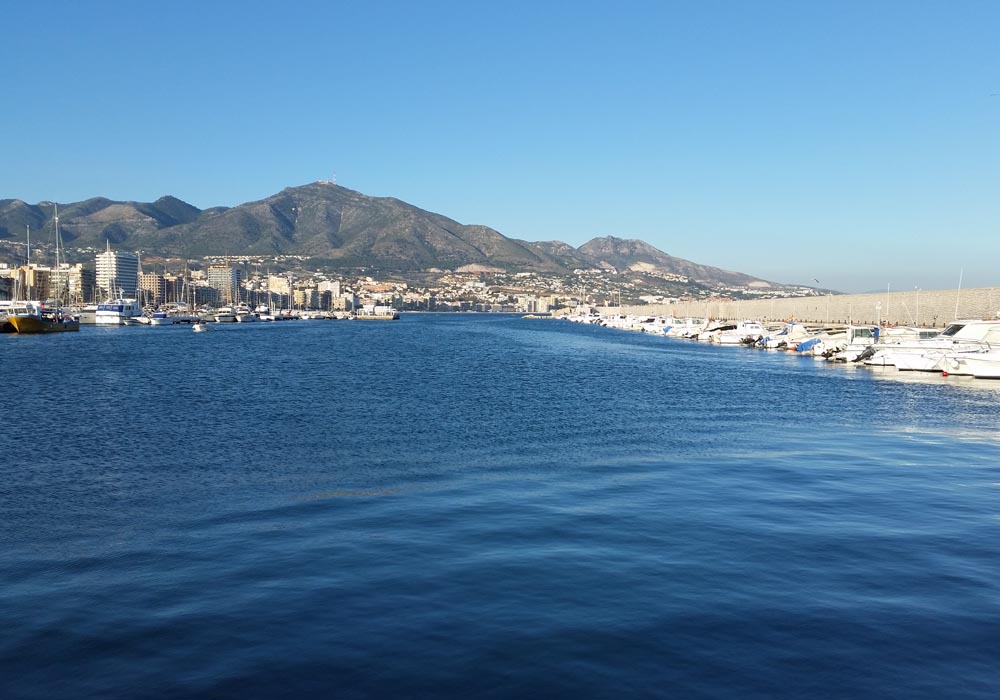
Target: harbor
x=965 y=347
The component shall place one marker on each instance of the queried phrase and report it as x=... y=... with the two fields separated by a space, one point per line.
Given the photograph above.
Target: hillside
x=336 y=226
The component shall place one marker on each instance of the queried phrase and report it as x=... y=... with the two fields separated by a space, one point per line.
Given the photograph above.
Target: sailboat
x=34 y=316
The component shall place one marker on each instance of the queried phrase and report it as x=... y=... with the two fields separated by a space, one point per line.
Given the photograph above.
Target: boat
x=686 y=327
x=161 y=318
x=924 y=354
x=35 y=317
x=245 y=315
x=858 y=344
x=981 y=365
x=8 y=308
x=791 y=334
x=118 y=312
x=370 y=312
x=225 y=314
x=743 y=331
x=199 y=326
x=712 y=330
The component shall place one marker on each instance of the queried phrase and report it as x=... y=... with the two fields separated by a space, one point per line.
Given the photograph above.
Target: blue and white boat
x=117 y=312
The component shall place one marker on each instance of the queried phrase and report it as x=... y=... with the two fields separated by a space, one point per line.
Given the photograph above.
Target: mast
x=62 y=281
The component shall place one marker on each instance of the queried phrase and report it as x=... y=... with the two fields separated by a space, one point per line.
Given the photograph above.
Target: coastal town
x=291 y=282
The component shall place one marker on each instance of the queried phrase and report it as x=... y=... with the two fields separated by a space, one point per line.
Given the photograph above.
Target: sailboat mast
x=60 y=293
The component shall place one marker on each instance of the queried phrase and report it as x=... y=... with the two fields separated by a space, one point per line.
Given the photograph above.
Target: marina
x=964 y=347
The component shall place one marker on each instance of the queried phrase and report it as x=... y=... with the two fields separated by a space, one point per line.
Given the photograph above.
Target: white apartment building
x=117 y=274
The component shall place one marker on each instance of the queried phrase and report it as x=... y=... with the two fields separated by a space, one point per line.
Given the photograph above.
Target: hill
x=336 y=226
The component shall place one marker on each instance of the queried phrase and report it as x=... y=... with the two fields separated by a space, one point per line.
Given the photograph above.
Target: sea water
x=488 y=506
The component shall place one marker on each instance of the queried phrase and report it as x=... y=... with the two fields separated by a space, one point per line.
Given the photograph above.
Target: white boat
x=371 y=312
x=161 y=318
x=924 y=354
x=982 y=365
x=244 y=314
x=858 y=343
x=199 y=326
x=789 y=335
x=117 y=312
x=742 y=331
x=225 y=314
x=714 y=329
x=686 y=327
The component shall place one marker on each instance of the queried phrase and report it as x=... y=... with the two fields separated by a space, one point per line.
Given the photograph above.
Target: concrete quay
x=917 y=307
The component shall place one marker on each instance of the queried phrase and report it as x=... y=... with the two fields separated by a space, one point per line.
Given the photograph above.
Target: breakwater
x=918 y=307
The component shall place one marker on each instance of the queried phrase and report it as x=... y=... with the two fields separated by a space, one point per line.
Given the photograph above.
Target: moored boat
x=34 y=317
x=161 y=318
x=117 y=312
x=225 y=314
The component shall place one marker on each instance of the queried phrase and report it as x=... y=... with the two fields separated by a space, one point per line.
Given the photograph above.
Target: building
x=153 y=287
x=306 y=297
x=227 y=280
x=117 y=274
x=80 y=284
x=6 y=284
x=331 y=286
x=279 y=284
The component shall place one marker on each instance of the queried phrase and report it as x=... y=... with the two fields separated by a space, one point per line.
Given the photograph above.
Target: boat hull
x=33 y=324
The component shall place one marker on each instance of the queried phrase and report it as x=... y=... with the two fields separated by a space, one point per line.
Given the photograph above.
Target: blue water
x=488 y=506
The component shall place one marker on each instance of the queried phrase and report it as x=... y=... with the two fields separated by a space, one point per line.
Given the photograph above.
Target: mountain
x=336 y=227
x=639 y=256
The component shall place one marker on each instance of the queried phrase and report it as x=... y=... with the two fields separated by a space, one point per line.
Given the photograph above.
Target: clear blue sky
x=857 y=143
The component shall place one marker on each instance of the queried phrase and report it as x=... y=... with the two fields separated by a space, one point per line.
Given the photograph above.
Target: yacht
x=925 y=354
x=982 y=365
x=244 y=314
x=225 y=314
x=117 y=312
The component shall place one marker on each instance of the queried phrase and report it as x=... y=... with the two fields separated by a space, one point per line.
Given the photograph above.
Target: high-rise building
x=117 y=274
x=227 y=280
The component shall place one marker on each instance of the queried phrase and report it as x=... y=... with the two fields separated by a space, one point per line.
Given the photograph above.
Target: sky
x=851 y=144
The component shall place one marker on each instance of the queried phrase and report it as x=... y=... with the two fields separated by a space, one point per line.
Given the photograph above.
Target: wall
x=915 y=307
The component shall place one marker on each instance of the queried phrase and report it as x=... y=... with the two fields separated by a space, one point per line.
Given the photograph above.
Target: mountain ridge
x=343 y=228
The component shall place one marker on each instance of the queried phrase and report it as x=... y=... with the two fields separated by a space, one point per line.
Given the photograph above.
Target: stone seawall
x=916 y=307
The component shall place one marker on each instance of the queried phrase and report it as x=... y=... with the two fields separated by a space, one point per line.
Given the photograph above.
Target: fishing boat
x=34 y=317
